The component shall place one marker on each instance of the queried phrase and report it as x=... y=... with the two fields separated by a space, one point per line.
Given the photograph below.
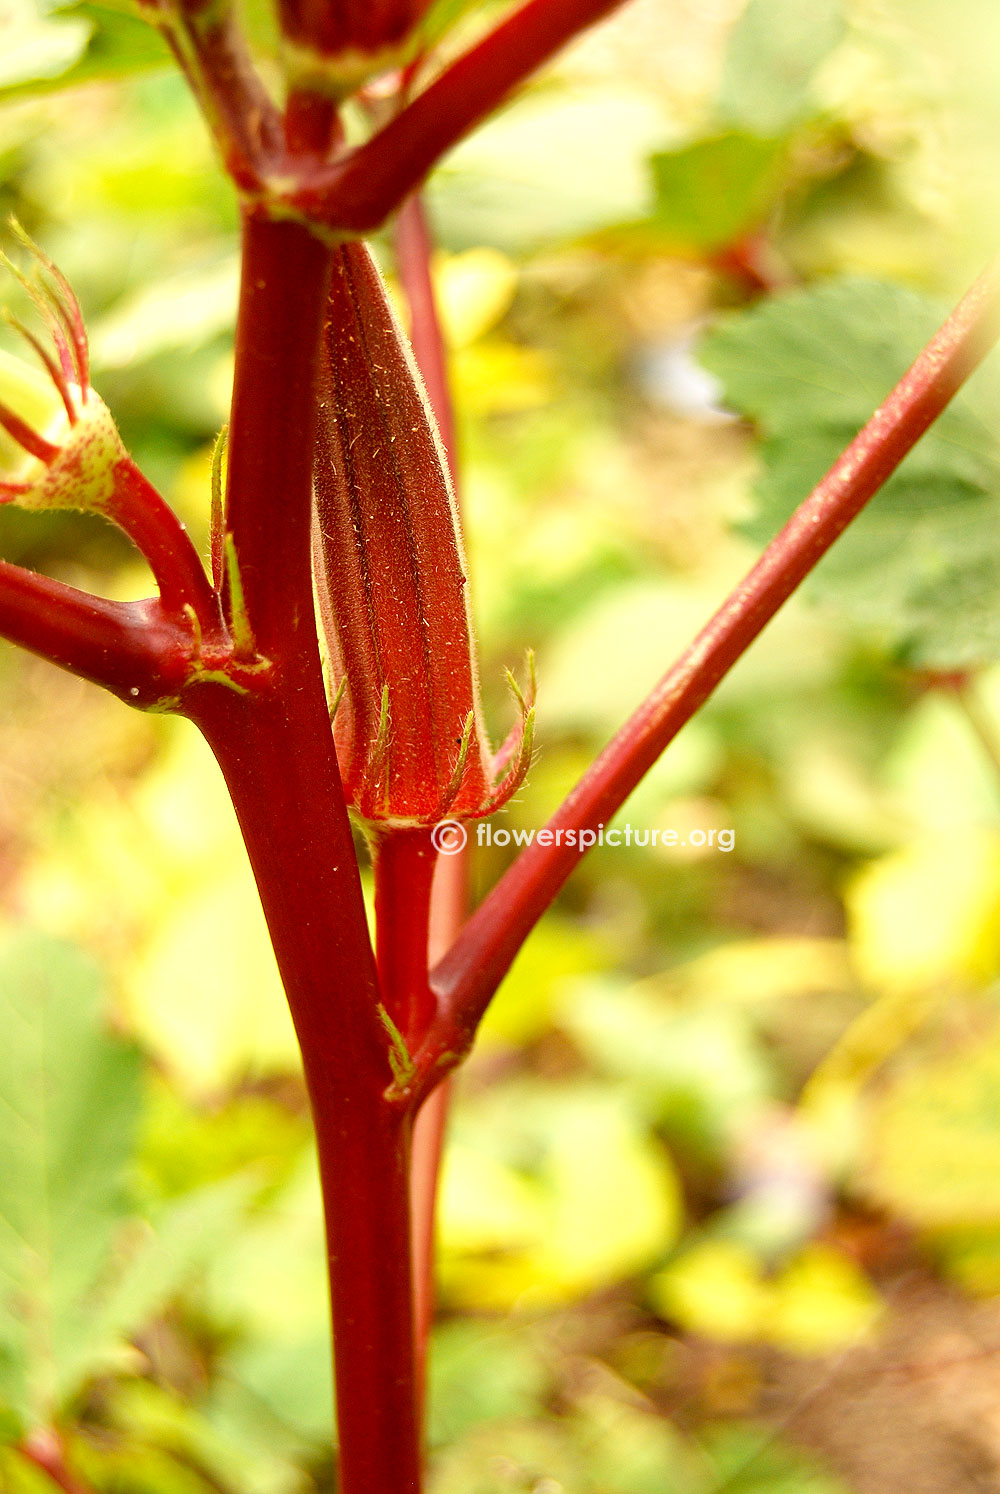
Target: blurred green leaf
x=443 y=15
x=69 y=1103
x=182 y=311
x=714 y=1288
x=818 y=1303
x=921 y=567
x=774 y=51
x=553 y=165
x=292 y=1380
x=928 y=915
x=37 y=49
x=753 y=1460
x=512 y=1457
x=629 y=1451
x=482 y=1371
x=700 y=1071
x=714 y=191
x=185 y=1148
x=272 y=1283
x=933 y=1140
x=557 y=953
x=187 y=1234
x=47 y=49
x=822 y=1303
x=227 y=1439
x=549 y=1192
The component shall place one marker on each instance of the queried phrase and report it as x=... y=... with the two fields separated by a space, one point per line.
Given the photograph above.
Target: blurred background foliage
x=721 y=1203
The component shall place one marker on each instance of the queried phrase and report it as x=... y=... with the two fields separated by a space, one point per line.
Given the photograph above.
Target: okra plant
x=326 y=650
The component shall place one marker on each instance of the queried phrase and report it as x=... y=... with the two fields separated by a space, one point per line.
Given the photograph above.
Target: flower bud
x=336 y=48
x=391 y=579
x=59 y=447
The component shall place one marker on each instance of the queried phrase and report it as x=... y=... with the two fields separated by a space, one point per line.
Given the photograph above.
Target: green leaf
x=513 y=1457
x=714 y=191
x=480 y=1372
x=69 y=1103
x=934 y=1141
x=920 y=568
x=751 y=1460
x=558 y=953
x=187 y=1234
x=78 y=44
x=554 y=1191
x=225 y=1440
x=38 y=50
x=630 y=1451
x=180 y=311
x=291 y=1382
x=555 y=164
x=698 y=1070
x=774 y=51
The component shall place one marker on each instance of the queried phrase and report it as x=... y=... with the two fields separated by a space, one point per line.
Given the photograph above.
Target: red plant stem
x=277 y=758
x=413 y=257
x=272 y=429
x=449 y=906
x=162 y=539
x=275 y=747
x=359 y=191
x=210 y=47
x=133 y=649
x=403 y=863
x=44 y=1449
x=449 y=892
x=312 y=124
x=470 y=972
x=428 y=1149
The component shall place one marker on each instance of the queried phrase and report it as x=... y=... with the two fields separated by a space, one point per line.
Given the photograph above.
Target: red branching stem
x=212 y=52
x=471 y=971
x=403 y=863
x=449 y=906
x=133 y=649
x=359 y=191
x=158 y=534
x=429 y=1132
x=449 y=892
x=413 y=257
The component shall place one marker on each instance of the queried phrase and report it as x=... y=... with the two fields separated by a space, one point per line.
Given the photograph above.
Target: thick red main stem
x=277 y=768
x=283 y=290
x=275 y=747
